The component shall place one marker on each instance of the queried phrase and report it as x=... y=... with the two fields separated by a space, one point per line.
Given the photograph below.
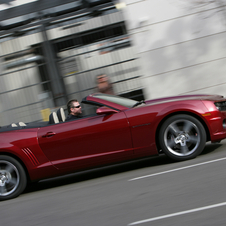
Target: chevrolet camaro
x=119 y=129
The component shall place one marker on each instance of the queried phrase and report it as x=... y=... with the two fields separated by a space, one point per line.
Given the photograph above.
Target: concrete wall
x=11 y=80
x=182 y=48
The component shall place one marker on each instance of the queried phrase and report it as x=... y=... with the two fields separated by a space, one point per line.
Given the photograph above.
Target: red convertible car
x=120 y=130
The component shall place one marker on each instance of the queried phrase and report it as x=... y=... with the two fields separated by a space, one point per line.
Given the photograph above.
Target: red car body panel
x=86 y=141
x=24 y=145
x=102 y=139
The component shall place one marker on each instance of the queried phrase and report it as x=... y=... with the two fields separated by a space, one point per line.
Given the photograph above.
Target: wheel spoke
x=184 y=149
x=3 y=190
x=9 y=168
x=174 y=129
x=13 y=181
x=170 y=143
x=187 y=126
x=193 y=139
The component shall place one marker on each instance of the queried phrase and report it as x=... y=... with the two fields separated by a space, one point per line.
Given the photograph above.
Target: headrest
x=61 y=114
x=53 y=119
x=22 y=124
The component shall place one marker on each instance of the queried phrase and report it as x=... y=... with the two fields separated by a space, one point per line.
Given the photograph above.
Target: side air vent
x=31 y=156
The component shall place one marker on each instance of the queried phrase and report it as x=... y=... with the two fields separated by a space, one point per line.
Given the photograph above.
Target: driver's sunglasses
x=77 y=106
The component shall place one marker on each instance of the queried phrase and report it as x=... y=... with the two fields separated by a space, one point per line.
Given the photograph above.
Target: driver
x=74 y=110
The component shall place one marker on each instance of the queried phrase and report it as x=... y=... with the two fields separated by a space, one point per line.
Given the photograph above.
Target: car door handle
x=49 y=134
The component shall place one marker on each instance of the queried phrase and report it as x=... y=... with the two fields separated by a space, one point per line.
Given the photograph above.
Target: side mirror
x=105 y=111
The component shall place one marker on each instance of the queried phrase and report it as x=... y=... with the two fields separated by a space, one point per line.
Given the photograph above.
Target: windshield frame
x=126 y=102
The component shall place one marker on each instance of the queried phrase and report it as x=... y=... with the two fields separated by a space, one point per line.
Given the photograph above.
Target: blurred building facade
x=52 y=51
x=181 y=45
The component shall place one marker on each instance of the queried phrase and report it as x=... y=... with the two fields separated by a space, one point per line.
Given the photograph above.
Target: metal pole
x=57 y=85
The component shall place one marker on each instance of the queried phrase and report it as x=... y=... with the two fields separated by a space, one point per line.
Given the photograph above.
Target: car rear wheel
x=182 y=137
x=12 y=178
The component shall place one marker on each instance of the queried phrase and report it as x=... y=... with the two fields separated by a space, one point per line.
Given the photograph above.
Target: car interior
x=54 y=118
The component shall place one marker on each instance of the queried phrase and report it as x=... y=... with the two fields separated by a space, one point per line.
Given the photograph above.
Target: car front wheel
x=12 y=178
x=182 y=137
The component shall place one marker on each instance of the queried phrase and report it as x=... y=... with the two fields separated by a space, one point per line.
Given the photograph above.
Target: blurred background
x=51 y=51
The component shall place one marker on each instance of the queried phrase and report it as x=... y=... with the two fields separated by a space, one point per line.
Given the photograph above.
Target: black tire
x=12 y=178
x=182 y=137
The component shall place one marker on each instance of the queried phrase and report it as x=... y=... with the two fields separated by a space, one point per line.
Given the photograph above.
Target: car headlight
x=221 y=106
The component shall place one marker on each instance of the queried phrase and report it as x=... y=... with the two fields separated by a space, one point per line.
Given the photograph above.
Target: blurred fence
x=46 y=63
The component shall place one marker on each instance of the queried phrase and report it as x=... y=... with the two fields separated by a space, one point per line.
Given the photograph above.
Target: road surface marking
x=181 y=168
x=178 y=213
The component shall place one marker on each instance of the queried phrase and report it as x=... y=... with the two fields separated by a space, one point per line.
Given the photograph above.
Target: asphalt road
x=151 y=192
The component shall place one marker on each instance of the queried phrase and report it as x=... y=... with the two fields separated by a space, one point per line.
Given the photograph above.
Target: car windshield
x=117 y=100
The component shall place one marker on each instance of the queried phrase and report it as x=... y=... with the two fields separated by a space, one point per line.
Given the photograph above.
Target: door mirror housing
x=105 y=111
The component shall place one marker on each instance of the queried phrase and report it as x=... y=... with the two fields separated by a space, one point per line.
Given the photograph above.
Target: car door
x=87 y=142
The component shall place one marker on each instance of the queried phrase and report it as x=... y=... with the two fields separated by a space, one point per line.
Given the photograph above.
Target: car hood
x=185 y=97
